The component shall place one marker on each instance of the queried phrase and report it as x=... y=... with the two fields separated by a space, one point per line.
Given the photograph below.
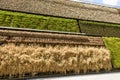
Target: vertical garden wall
x=23 y=20
x=100 y=28
x=58 y=15
x=106 y=30
x=113 y=44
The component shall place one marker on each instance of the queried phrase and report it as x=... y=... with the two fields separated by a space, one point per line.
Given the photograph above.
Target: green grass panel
x=98 y=28
x=92 y=29
x=23 y=20
x=112 y=31
x=113 y=44
x=68 y=25
x=116 y=64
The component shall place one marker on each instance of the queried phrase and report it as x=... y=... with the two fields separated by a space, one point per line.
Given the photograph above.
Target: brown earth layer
x=9 y=36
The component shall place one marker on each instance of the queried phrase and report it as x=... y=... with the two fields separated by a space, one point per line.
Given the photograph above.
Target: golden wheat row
x=18 y=60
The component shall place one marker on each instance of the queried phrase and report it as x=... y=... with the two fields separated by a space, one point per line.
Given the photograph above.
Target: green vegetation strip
x=23 y=20
x=113 y=44
x=99 y=23
x=100 y=28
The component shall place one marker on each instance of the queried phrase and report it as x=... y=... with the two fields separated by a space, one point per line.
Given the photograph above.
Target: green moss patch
x=99 y=28
x=23 y=20
x=113 y=44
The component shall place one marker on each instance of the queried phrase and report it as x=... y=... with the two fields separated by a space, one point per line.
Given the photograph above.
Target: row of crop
x=23 y=20
x=21 y=59
x=16 y=19
x=98 y=28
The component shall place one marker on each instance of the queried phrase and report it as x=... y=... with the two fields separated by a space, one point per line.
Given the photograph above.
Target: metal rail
x=43 y=31
x=46 y=31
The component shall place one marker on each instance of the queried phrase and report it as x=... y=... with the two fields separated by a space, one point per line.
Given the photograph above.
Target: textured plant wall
x=22 y=20
x=119 y=11
x=11 y=36
x=22 y=59
x=63 y=8
x=113 y=44
x=99 y=28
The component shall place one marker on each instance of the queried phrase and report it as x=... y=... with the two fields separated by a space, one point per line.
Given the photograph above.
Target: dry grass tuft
x=118 y=11
x=18 y=60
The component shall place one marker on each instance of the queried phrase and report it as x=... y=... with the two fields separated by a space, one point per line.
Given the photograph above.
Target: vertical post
x=79 y=26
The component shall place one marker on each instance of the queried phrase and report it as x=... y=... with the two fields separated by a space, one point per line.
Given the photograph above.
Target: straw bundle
x=19 y=60
x=118 y=11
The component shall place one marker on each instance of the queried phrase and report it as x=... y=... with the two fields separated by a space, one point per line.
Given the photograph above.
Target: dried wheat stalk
x=23 y=59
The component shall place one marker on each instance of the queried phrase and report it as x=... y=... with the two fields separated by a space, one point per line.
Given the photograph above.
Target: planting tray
x=20 y=35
